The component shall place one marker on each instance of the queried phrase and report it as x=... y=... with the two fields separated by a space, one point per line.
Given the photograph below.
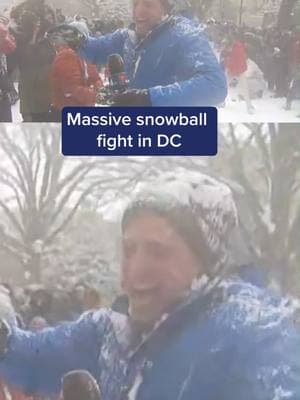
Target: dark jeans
x=53 y=115
x=5 y=111
x=37 y=117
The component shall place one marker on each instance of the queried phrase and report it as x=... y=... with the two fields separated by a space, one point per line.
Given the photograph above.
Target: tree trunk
x=284 y=20
x=34 y=268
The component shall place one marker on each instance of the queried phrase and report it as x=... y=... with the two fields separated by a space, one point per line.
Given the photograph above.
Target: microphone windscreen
x=80 y=385
x=115 y=64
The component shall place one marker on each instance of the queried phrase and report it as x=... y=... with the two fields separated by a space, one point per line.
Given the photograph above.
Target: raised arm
x=36 y=362
x=97 y=50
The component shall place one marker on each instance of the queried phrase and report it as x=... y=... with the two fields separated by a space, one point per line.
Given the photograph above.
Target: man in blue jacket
x=191 y=333
x=168 y=60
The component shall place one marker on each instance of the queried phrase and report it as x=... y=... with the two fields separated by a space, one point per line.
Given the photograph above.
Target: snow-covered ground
x=17 y=117
x=267 y=109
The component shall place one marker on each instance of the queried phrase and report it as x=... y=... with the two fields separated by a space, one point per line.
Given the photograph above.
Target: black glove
x=5 y=333
x=131 y=98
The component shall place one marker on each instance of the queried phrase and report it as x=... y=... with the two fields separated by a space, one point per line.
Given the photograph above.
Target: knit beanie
x=199 y=207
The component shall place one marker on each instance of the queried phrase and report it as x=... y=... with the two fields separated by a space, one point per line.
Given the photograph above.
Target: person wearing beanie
x=33 y=57
x=192 y=329
x=73 y=81
x=168 y=60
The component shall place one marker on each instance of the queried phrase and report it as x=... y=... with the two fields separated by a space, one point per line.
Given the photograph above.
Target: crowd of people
x=26 y=51
x=60 y=64
x=187 y=323
x=37 y=305
x=34 y=307
x=259 y=59
x=56 y=69
x=45 y=69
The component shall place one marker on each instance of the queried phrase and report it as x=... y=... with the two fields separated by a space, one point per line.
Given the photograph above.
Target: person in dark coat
x=34 y=56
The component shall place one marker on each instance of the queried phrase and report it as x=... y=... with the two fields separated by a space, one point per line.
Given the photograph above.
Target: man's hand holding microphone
x=122 y=96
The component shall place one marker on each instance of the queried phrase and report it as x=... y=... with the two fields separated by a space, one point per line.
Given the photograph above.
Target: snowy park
x=115 y=253
x=249 y=70
x=267 y=109
x=150 y=278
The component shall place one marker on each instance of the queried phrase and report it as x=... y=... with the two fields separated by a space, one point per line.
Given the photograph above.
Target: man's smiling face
x=146 y=15
x=158 y=267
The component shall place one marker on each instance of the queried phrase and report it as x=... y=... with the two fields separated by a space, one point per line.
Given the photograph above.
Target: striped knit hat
x=199 y=207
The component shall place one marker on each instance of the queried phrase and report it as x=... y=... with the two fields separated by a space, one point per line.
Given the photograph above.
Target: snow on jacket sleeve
x=200 y=78
x=263 y=360
x=262 y=356
x=251 y=351
x=97 y=50
x=266 y=366
x=36 y=362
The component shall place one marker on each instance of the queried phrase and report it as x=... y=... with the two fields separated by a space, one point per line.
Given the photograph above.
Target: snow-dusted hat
x=73 y=33
x=81 y=26
x=201 y=209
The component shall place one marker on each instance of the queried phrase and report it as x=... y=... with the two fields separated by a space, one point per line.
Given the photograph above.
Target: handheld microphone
x=116 y=73
x=80 y=385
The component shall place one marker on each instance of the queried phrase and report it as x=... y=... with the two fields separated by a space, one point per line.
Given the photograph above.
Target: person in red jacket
x=7 y=46
x=235 y=64
x=73 y=81
x=7 y=41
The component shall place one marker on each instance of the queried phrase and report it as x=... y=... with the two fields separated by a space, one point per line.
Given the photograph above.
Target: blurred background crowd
x=261 y=59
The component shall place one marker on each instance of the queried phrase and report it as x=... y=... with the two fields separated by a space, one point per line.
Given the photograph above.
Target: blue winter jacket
x=175 y=62
x=237 y=343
